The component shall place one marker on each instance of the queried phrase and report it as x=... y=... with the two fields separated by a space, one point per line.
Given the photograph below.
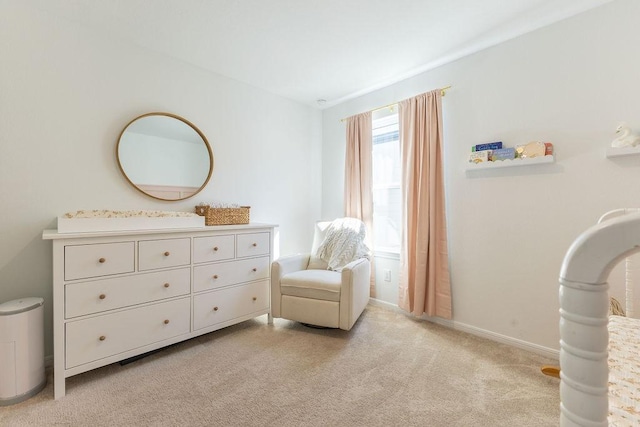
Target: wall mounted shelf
x=622 y=151
x=510 y=163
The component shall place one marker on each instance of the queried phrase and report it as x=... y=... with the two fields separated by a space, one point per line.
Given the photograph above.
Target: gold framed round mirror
x=164 y=156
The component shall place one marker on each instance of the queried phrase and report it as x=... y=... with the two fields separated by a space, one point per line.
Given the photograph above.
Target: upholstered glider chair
x=328 y=287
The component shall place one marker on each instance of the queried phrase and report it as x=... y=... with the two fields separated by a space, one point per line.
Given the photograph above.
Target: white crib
x=586 y=356
x=631 y=267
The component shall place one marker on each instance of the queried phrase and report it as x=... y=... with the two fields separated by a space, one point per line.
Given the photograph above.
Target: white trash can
x=21 y=350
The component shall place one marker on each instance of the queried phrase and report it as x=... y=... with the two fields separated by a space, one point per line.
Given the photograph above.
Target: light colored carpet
x=389 y=370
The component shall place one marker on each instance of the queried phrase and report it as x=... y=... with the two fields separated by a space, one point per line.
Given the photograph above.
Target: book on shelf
x=488 y=146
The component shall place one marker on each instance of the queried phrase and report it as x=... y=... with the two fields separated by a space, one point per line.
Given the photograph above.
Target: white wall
x=66 y=92
x=509 y=229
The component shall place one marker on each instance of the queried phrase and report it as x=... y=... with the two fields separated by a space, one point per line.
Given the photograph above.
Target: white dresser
x=120 y=294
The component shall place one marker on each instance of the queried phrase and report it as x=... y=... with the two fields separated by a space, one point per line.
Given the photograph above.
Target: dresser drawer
x=153 y=254
x=107 y=294
x=230 y=303
x=100 y=259
x=212 y=276
x=214 y=248
x=103 y=336
x=252 y=244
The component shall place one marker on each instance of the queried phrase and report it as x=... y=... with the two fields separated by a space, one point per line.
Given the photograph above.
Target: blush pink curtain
x=424 y=263
x=358 y=196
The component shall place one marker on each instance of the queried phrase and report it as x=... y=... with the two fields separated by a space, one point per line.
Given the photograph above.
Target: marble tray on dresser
x=105 y=220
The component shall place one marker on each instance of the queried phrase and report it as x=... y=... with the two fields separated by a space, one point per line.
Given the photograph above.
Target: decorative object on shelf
x=532 y=149
x=223 y=214
x=121 y=220
x=625 y=138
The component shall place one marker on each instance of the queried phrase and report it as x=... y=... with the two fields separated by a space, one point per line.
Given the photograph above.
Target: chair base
x=309 y=325
x=310 y=311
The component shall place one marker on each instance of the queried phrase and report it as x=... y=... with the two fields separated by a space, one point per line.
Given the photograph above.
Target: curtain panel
x=358 y=179
x=424 y=263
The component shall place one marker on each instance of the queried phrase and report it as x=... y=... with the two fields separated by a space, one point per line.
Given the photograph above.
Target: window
x=387 y=199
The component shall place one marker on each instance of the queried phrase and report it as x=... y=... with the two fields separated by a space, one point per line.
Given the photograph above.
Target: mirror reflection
x=164 y=156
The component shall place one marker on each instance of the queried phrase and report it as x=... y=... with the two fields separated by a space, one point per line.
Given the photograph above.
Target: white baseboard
x=473 y=330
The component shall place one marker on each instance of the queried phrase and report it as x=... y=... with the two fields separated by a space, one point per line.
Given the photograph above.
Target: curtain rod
x=443 y=92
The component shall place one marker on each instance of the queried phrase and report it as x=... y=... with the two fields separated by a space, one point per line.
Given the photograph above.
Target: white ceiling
x=307 y=50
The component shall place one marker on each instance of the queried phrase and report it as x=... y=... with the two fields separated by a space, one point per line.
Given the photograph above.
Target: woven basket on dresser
x=224 y=216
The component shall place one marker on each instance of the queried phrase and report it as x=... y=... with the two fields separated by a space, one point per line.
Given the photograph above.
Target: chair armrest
x=356 y=288
x=357 y=264
x=289 y=264
x=280 y=267
x=356 y=273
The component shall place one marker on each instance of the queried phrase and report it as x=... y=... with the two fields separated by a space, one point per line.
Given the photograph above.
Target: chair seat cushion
x=317 y=284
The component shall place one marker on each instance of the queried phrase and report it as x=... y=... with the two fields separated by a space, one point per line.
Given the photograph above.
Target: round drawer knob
x=255 y=269
x=166 y=321
x=102 y=296
x=102 y=260
x=102 y=338
x=167 y=253
x=215 y=308
x=166 y=285
x=255 y=298
x=255 y=244
x=215 y=249
x=215 y=276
